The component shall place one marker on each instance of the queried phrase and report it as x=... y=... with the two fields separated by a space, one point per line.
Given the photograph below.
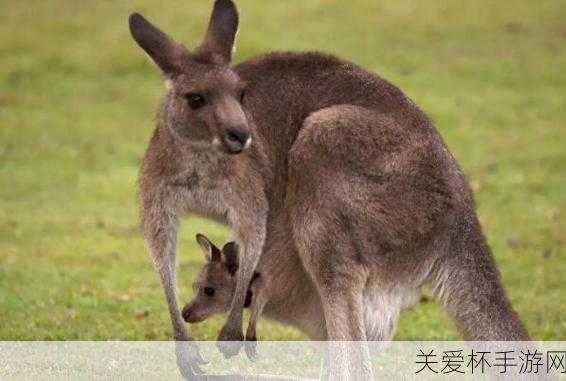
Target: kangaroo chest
x=203 y=190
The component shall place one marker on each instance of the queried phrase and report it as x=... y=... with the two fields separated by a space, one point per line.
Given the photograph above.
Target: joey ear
x=218 y=45
x=165 y=52
x=230 y=251
x=210 y=251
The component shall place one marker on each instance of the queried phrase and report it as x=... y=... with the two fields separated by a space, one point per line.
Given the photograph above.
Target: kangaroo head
x=203 y=104
x=215 y=286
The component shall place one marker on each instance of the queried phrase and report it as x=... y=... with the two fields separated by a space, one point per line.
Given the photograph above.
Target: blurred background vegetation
x=77 y=102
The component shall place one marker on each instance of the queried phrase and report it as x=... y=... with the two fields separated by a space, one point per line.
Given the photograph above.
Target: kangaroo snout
x=190 y=316
x=236 y=140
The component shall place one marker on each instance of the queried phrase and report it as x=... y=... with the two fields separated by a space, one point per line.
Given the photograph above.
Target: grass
x=77 y=100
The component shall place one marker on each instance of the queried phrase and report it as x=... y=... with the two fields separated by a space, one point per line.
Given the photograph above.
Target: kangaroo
x=320 y=152
x=280 y=288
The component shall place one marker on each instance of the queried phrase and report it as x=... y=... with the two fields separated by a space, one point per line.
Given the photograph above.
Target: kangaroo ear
x=230 y=251
x=165 y=52
x=210 y=251
x=218 y=45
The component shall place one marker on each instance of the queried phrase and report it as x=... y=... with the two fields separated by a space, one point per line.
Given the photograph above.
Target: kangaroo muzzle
x=190 y=315
x=236 y=141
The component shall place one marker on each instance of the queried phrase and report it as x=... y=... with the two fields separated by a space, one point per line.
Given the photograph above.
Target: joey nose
x=191 y=315
x=236 y=140
x=186 y=313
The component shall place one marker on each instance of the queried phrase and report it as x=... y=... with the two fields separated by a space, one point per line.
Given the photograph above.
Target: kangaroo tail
x=466 y=280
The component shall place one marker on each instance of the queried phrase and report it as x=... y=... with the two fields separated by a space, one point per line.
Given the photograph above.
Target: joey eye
x=195 y=101
x=242 y=95
x=209 y=291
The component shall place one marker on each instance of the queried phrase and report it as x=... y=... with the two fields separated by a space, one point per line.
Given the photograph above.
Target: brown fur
x=342 y=165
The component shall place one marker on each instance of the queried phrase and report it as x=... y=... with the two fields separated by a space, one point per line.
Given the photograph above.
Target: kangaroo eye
x=209 y=291
x=242 y=95
x=195 y=101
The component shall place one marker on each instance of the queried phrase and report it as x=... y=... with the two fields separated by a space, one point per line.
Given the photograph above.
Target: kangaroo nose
x=186 y=314
x=236 y=140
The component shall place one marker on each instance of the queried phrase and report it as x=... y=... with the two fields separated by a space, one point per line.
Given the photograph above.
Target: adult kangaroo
x=318 y=149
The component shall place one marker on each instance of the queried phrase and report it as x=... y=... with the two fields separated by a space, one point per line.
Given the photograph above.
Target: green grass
x=77 y=101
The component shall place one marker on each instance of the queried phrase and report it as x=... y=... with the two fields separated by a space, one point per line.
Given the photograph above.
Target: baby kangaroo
x=284 y=292
x=215 y=286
